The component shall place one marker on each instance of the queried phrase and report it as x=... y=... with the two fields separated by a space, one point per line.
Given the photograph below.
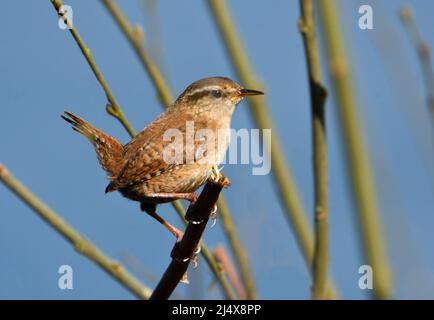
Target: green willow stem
x=113 y=107
x=166 y=99
x=318 y=96
x=79 y=242
x=356 y=150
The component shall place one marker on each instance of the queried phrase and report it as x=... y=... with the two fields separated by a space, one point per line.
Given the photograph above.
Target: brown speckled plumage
x=138 y=169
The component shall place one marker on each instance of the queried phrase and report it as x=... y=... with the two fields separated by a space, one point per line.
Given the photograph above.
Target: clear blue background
x=42 y=72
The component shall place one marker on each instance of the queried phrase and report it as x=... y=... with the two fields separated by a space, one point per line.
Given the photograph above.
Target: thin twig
x=80 y=243
x=318 y=96
x=198 y=215
x=357 y=152
x=113 y=107
x=166 y=99
x=424 y=54
x=223 y=258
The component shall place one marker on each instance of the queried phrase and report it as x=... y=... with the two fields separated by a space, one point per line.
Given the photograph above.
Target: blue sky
x=42 y=72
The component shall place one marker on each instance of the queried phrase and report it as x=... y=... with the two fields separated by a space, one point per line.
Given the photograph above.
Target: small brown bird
x=144 y=169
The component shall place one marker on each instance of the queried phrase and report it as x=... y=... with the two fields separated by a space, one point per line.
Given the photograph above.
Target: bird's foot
x=192 y=197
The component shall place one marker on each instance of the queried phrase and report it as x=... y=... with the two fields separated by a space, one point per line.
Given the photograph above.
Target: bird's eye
x=216 y=93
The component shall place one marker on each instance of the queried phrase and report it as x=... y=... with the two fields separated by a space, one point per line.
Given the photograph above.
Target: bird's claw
x=194 y=256
x=197 y=250
x=184 y=279
x=213 y=216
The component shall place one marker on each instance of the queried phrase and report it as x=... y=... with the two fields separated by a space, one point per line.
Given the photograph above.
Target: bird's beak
x=249 y=92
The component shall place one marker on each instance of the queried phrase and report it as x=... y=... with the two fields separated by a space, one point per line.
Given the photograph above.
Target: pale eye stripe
x=205 y=89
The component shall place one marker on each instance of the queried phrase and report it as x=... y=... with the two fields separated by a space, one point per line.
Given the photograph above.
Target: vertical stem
x=357 y=152
x=318 y=96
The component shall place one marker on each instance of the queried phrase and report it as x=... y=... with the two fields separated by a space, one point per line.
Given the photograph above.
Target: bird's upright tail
x=108 y=150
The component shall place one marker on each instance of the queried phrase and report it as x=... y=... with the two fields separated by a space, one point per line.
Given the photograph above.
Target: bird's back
x=145 y=154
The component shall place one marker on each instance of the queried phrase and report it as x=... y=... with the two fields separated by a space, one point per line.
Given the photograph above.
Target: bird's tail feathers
x=109 y=151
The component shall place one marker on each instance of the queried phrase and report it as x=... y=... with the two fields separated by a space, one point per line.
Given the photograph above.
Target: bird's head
x=215 y=94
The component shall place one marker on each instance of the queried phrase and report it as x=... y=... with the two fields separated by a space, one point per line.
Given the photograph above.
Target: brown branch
x=198 y=215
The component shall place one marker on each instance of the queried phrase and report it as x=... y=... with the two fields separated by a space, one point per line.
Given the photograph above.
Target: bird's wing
x=149 y=153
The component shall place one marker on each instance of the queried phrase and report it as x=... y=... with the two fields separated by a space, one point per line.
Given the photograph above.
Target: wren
x=140 y=170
